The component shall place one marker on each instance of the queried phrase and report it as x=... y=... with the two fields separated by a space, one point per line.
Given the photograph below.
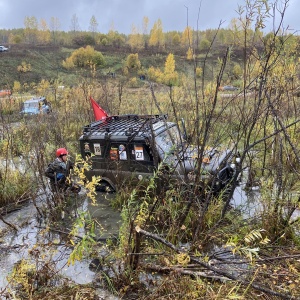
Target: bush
x=14 y=186
x=82 y=40
x=84 y=57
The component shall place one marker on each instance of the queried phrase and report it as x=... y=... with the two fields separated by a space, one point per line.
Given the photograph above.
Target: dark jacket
x=58 y=171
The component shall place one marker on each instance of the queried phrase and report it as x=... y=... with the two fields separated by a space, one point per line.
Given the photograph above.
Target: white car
x=229 y=88
x=2 y=49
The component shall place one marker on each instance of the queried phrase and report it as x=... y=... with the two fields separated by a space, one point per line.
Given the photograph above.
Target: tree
x=31 y=29
x=111 y=33
x=237 y=71
x=199 y=72
x=170 y=76
x=17 y=87
x=84 y=57
x=136 y=40
x=133 y=62
x=24 y=67
x=74 y=24
x=189 y=54
x=187 y=37
x=145 y=30
x=83 y=40
x=154 y=74
x=54 y=27
x=44 y=34
x=204 y=44
x=114 y=38
x=118 y=40
x=176 y=39
x=93 y=25
x=15 y=38
x=157 y=38
x=145 y=25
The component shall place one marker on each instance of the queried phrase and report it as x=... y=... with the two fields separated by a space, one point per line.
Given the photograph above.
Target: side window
x=87 y=150
x=98 y=150
x=118 y=152
x=113 y=153
x=141 y=152
x=93 y=148
x=122 y=152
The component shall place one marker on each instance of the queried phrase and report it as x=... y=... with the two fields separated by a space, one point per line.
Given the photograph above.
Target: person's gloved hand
x=60 y=178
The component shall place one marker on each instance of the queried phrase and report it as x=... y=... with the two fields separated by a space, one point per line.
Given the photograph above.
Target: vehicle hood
x=186 y=160
x=30 y=111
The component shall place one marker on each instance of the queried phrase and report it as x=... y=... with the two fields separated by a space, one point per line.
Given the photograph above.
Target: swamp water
x=15 y=246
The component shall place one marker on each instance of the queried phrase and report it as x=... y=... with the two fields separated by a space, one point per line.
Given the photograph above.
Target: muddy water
x=15 y=246
x=108 y=218
x=248 y=203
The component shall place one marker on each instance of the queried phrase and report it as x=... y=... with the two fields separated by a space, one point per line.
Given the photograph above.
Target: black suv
x=131 y=147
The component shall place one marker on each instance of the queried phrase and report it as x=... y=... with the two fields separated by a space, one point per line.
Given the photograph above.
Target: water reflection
x=247 y=201
x=108 y=218
x=16 y=246
x=16 y=164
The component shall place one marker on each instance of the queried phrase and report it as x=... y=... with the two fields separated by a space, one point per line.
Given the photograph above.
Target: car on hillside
x=132 y=147
x=4 y=93
x=35 y=106
x=229 y=88
x=3 y=49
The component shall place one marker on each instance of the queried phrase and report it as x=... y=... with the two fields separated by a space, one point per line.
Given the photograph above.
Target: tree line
x=190 y=40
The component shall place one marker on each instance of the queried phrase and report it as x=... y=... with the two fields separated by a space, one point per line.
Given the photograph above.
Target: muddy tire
x=104 y=186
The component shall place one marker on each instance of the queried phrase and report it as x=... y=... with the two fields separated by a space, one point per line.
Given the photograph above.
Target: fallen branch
x=217 y=271
x=59 y=231
x=9 y=224
x=162 y=253
x=7 y=248
x=245 y=261
x=185 y=272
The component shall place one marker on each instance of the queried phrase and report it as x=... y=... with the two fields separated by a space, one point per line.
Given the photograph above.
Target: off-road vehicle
x=126 y=148
x=35 y=106
x=3 y=49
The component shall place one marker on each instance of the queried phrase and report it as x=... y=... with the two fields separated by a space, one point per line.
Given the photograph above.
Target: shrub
x=14 y=185
x=84 y=57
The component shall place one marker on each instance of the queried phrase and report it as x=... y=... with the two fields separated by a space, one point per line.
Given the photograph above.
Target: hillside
x=46 y=63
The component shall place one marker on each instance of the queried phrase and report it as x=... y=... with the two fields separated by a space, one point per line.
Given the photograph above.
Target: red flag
x=99 y=112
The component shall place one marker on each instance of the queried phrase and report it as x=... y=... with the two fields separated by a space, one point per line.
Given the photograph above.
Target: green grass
x=46 y=63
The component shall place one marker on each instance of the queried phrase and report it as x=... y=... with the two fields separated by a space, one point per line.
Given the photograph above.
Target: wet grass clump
x=14 y=186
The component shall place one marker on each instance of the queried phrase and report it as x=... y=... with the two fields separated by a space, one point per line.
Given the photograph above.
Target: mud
x=20 y=244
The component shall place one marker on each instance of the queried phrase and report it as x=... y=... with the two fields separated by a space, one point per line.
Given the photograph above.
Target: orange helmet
x=61 y=152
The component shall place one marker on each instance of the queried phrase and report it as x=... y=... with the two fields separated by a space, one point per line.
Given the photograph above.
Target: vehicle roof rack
x=121 y=124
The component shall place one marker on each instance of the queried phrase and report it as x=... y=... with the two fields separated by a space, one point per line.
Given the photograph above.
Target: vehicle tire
x=105 y=187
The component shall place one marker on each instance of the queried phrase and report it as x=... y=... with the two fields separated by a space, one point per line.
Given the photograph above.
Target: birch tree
x=31 y=29
x=93 y=26
x=74 y=25
x=54 y=27
x=157 y=38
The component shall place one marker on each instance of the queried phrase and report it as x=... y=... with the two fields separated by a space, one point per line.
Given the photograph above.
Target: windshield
x=168 y=141
x=30 y=105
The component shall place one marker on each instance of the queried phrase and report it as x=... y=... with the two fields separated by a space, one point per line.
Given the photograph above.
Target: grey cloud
x=174 y=14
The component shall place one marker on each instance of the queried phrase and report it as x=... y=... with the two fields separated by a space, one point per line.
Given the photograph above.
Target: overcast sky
x=174 y=14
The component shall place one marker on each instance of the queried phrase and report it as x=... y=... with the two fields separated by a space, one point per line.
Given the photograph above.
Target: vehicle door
x=141 y=156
